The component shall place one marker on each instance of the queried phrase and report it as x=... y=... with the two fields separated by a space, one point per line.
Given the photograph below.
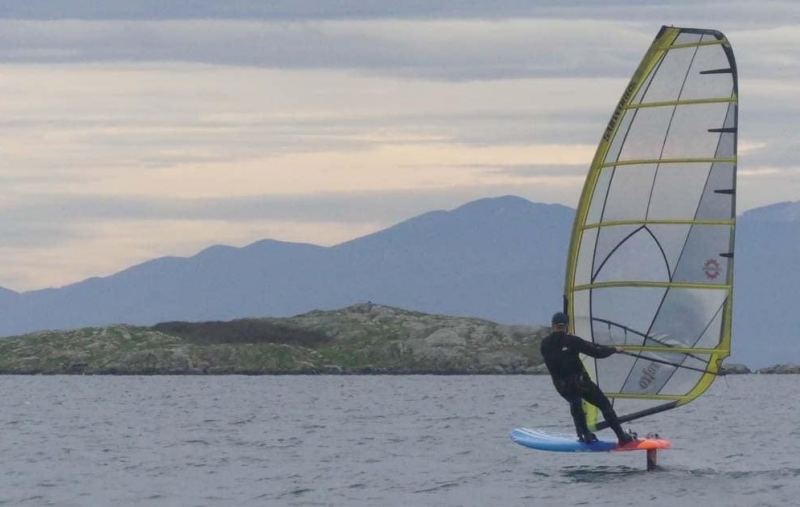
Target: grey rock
x=781 y=369
x=734 y=369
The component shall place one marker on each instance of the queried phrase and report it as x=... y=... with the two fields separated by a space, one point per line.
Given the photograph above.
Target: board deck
x=537 y=439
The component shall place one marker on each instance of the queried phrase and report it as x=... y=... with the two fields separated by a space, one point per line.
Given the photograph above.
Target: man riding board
x=560 y=352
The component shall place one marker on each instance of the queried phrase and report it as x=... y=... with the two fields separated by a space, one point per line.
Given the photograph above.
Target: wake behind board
x=536 y=439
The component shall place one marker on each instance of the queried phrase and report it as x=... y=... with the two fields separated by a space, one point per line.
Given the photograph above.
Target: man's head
x=559 y=321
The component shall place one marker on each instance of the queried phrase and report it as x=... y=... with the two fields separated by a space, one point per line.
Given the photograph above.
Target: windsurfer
x=560 y=352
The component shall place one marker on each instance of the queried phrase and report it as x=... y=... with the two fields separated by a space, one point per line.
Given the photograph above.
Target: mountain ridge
x=498 y=258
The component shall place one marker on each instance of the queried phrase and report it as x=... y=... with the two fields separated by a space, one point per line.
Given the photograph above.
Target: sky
x=134 y=130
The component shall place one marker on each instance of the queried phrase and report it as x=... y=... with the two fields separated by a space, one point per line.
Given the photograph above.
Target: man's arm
x=593 y=349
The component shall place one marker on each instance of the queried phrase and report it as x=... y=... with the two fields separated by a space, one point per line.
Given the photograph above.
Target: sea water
x=376 y=440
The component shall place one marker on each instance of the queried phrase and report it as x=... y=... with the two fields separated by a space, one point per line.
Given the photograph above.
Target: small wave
x=741 y=474
x=438 y=487
x=240 y=422
x=34 y=498
x=297 y=492
x=196 y=441
x=600 y=473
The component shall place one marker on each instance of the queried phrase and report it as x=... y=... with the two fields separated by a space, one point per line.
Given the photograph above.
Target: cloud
x=116 y=128
x=441 y=49
x=763 y=185
x=568 y=42
x=137 y=129
x=357 y=207
x=688 y=11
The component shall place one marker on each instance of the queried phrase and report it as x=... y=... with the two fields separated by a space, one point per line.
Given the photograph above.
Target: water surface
x=376 y=440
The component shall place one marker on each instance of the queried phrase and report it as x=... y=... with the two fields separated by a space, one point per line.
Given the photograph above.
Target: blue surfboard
x=536 y=439
x=542 y=441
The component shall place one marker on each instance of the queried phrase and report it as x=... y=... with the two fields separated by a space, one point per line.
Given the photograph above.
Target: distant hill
x=500 y=259
x=7 y=296
x=766 y=305
x=781 y=212
x=493 y=258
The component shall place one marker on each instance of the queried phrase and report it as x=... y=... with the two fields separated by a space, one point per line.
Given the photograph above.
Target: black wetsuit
x=560 y=352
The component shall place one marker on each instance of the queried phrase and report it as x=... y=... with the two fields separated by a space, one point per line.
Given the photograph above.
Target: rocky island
x=781 y=369
x=734 y=369
x=364 y=338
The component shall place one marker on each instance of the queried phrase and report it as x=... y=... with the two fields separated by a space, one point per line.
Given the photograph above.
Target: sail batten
x=648 y=284
x=690 y=160
x=650 y=265
x=694 y=45
x=613 y=223
x=687 y=102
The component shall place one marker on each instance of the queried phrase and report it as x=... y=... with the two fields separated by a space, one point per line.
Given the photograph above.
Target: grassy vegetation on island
x=364 y=338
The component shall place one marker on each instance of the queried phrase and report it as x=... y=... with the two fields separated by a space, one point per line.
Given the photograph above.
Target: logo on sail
x=711 y=269
x=648 y=375
x=612 y=124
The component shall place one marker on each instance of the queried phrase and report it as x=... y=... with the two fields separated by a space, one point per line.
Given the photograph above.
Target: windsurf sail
x=650 y=265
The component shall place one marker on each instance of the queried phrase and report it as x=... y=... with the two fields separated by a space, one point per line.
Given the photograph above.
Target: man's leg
x=595 y=396
x=579 y=418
